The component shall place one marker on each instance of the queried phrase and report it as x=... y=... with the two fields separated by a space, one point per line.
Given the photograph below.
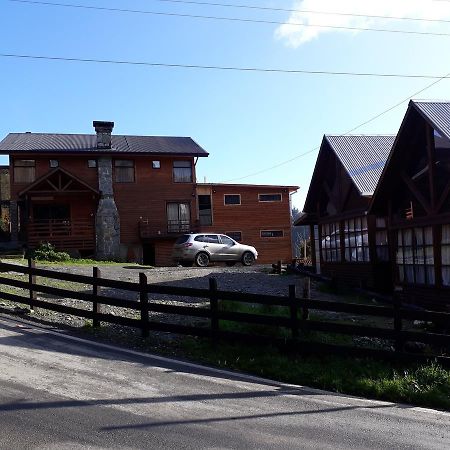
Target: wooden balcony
x=76 y=234
x=173 y=228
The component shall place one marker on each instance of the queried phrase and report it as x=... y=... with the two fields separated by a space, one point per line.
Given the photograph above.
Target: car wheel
x=230 y=263
x=202 y=259
x=248 y=259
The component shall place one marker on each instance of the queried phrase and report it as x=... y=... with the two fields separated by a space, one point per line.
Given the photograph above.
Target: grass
x=423 y=385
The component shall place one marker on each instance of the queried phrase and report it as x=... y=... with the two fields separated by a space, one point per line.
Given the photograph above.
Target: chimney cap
x=100 y=125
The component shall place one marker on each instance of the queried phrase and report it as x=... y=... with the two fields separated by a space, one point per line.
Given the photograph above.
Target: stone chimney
x=103 y=130
x=107 y=220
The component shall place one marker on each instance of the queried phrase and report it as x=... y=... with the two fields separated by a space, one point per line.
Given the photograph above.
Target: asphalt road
x=60 y=392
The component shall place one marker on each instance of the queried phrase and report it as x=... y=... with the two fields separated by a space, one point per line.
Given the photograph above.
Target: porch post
x=14 y=221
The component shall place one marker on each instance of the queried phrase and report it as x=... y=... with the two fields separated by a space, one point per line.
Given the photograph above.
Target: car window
x=182 y=239
x=226 y=240
x=200 y=238
x=212 y=238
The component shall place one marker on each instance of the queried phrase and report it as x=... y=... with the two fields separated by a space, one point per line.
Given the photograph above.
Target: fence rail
x=292 y=313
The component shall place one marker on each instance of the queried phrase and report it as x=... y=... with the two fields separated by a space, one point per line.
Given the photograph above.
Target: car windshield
x=182 y=239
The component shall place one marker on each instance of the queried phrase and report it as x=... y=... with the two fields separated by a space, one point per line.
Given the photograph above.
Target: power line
x=303 y=11
x=347 y=132
x=232 y=19
x=228 y=68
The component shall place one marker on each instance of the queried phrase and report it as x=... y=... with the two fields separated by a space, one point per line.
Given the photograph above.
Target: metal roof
x=87 y=143
x=438 y=113
x=363 y=157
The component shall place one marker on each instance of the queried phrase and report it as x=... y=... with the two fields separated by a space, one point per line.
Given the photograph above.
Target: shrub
x=47 y=252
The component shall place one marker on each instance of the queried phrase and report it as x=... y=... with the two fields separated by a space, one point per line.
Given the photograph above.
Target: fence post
x=279 y=266
x=294 y=311
x=306 y=296
x=398 y=346
x=214 y=307
x=95 y=291
x=31 y=281
x=143 y=298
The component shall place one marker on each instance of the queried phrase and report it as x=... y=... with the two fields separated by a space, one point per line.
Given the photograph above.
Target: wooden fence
x=302 y=331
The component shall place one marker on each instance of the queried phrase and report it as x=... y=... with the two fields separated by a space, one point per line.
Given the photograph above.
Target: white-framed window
x=54 y=163
x=270 y=197
x=156 y=164
x=381 y=239
x=331 y=242
x=356 y=240
x=271 y=233
x=236 y=235
x=415 y=255
x=232 y=199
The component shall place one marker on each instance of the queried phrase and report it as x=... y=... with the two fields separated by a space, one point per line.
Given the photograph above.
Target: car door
x=230 y=250
x=213 y=246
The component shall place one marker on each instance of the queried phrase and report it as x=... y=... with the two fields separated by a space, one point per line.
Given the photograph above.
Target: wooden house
x=348 y=244
x=257 y=215
x=414 y=193
x=128 y=198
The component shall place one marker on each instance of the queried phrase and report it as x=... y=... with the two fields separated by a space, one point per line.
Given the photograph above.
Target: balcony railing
x=149 y=229
x=76 y=234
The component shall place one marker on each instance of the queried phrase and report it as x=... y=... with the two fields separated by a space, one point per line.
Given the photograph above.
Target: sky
x=259 y=126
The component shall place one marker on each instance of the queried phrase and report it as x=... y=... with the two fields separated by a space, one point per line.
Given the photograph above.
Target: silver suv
x=205 y=247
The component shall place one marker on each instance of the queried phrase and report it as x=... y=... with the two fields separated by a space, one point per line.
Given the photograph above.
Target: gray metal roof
x=363 y=157
x=87 y=143
x=438 y=113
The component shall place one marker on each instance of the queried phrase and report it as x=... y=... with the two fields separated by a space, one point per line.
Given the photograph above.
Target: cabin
x=118 y=197
x=129 y=198
x=414 y=194
x=348 y=244
x=257 y=215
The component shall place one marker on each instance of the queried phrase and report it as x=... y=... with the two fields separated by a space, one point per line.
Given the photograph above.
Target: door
x=149 y=254
x=213 y=246
x=230 y=251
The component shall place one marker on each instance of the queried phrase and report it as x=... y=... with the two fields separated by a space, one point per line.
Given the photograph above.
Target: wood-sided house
x=348 y=244
x=120 y=197
x=414 y=193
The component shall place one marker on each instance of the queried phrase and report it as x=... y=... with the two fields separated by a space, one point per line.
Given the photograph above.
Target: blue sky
x=247 y=121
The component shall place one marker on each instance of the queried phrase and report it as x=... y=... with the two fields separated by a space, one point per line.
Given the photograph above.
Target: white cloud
x=294 y=36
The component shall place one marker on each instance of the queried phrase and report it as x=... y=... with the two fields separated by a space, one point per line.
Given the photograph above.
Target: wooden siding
x=253 y=216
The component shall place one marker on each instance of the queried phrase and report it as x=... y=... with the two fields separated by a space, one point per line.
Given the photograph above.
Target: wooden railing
x=149 y=229
x=63 y=234
x=291 y=313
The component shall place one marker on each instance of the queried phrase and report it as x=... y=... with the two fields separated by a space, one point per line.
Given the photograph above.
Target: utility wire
x=232 y=19
x=228 y=68
x=303 y=11
x=347 y=132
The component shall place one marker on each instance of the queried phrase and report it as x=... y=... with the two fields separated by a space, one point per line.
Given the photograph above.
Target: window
x=232 y=199
x=331 y=242
x=226 y=240
x=124 y=171
x=212 y=238
x=92 y=163
x=204 y=210
x=381 y=240
x=271 y=233
x=24 y=170
x=445 y=255
x=269 y=197
x=415 y=256
x=356 y=240
x=236 y=235
x=178 y=217
x=182 y=171
x=156 y=164
x=54 y=163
